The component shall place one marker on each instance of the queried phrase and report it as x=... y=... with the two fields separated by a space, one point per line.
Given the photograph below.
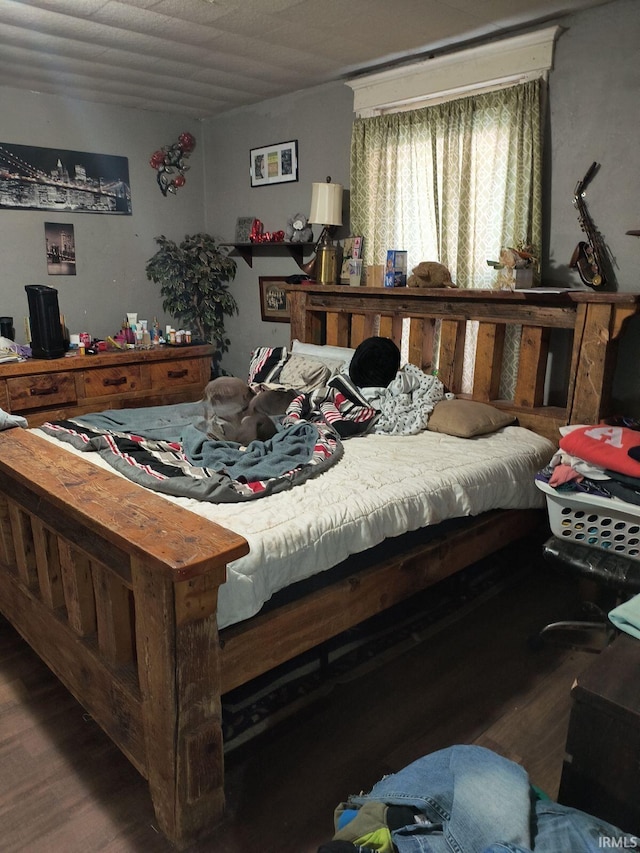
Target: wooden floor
x=65 y=789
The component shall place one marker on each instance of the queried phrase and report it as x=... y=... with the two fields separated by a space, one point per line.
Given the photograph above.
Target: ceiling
x=204 y=57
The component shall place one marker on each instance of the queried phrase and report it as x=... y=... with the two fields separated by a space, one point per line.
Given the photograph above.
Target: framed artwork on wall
x=273 y=299
x=60 y=244
x=274 y=164
x=34 y=178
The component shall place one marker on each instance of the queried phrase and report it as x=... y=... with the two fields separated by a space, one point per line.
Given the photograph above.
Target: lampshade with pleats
x=326 y=203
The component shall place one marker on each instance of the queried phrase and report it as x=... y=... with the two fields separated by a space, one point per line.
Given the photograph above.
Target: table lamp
x=326 y=210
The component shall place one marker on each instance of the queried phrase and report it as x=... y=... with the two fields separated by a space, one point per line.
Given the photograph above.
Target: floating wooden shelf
x=246 y=250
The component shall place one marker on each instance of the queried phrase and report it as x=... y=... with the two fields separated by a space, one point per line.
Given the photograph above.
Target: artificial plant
x=194 y=281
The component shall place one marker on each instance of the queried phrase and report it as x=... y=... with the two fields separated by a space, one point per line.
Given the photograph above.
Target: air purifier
x=47 y=339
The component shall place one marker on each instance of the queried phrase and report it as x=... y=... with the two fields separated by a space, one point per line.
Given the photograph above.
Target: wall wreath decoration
x=169 y=163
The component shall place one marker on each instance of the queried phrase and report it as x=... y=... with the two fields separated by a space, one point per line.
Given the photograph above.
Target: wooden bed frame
x=116 y=589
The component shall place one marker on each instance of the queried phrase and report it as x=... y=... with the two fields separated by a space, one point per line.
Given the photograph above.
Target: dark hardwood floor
x=65 y=789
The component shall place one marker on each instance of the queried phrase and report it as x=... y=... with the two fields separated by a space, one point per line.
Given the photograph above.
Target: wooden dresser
x=601 y=771
x=43 y=390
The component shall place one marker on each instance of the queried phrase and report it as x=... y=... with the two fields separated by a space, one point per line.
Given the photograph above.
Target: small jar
x=6 y=328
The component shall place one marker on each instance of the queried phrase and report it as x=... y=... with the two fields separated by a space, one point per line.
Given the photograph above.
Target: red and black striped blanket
x=163 y=449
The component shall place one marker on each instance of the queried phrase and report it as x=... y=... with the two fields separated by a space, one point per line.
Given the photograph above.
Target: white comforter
x=384 y=486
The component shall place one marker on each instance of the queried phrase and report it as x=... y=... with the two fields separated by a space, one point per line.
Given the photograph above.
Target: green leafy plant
x=194 y=281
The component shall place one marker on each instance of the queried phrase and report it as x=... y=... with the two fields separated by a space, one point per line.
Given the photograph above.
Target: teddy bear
x=298 y=229
x=430 y=274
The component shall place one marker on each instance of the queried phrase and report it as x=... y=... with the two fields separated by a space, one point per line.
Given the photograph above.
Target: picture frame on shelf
x=244 y=224
x=352 y=250
x=274 y=307
x=274 y=164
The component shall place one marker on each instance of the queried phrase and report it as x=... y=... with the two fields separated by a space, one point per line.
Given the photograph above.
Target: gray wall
x=320 y=119
x=111 y=250
x=593 y=99
x=593 y=115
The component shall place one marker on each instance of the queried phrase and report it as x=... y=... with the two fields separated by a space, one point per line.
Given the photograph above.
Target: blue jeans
x=476 y=801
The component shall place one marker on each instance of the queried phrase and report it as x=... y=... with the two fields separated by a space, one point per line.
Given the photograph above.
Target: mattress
x=383 y=486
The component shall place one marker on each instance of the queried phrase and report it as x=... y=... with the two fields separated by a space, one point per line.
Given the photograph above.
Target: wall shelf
x=246 y=250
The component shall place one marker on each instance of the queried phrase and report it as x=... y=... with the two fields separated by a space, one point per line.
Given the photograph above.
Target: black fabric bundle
x=375 y=363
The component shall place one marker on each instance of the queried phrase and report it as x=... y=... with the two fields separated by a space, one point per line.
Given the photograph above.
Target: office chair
x=611 y=576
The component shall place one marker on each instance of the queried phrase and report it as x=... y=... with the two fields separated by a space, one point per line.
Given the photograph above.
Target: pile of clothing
x=404 y=397
x=602 y=460
x=470 y=800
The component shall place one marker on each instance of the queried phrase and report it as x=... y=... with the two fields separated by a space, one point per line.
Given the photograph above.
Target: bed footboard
x=116 y=590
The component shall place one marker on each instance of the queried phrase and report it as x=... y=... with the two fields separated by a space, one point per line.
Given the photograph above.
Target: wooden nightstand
x=601 y=771
x=43 y=390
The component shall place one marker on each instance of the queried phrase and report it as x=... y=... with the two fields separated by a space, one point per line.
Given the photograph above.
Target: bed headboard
x=586 y=326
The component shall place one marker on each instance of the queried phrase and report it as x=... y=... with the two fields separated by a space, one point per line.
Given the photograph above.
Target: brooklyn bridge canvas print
x=34 y=178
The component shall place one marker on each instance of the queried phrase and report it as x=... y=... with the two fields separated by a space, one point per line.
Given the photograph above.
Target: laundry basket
x=607 y=523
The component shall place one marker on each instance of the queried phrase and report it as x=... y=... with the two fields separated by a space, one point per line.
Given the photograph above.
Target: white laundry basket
x=610 y=524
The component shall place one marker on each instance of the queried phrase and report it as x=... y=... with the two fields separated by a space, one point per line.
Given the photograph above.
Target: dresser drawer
x=188 y=371
x=46 y=390
x=107 y=381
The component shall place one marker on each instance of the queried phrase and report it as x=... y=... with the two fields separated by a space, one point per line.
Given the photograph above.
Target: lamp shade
x=326 y=204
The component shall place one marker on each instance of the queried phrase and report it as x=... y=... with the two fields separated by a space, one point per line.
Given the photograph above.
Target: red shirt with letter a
x=605 y=446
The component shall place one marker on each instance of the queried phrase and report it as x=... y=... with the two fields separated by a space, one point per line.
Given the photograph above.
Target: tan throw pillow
x=303 y=373
x=466 y=418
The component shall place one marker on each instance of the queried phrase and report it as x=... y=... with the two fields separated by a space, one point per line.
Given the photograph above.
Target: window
x=456 y=180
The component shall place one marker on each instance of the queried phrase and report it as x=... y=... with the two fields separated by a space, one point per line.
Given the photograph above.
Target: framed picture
x=273 y=299
x=274 y=164
x=49 y=179
x=61 y=248
x=244 y=225
x=352 y=250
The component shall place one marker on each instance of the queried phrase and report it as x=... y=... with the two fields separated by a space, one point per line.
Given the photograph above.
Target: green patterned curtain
x=454 y=182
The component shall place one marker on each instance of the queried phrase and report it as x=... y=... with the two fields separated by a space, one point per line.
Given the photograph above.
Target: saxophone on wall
x=588 y=254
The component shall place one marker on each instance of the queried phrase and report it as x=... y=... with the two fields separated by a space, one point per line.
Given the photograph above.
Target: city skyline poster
x=36 y=178
x=60 y=245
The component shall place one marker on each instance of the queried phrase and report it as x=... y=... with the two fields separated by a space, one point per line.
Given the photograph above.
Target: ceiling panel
x=204 y=57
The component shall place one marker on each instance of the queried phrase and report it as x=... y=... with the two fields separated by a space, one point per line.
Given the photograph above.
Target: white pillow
x=327 y=353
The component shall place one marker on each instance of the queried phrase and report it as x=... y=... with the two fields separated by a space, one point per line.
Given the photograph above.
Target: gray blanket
x=162 y=448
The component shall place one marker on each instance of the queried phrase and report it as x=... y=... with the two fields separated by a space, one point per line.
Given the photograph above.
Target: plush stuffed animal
x=298 y=229
x=430 y=274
